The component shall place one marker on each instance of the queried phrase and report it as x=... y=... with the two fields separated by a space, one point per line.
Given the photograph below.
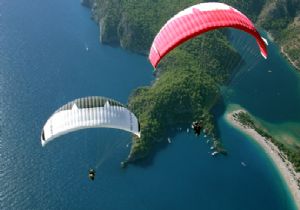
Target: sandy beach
x=279 y=158
x=289 y=59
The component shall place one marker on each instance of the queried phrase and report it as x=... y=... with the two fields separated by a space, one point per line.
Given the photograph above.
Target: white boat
x=169 y=140
x=86 y=47
x=211 y=147
x=214 y=153
x=243 y=164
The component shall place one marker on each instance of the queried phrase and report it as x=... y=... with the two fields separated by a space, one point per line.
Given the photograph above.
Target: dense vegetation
x=185 y=91
x=292 y=155
x=282 y=20
x=188 y=81
x=133 y=23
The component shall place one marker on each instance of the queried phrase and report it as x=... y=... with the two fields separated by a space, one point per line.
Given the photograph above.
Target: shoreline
x=285 y=54
x=286 y=169
x=289 y=59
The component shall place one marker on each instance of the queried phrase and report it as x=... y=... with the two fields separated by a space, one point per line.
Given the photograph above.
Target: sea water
x=44 y=63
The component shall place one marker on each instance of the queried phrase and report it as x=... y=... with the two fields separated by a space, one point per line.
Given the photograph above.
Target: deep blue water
x=44 y=64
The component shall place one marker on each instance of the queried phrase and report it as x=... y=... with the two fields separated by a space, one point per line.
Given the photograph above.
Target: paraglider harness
x=197 y=126
x=92 y=174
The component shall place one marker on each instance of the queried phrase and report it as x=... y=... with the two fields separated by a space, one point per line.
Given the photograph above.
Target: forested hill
x=282 y=19
x=189 y=80
x=133 y=23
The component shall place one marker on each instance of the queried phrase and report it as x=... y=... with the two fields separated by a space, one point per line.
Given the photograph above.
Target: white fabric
x=108 y=116
x=209 y=6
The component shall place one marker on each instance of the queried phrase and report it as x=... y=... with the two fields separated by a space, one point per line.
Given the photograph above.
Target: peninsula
x=188 y=80
x=287 y=161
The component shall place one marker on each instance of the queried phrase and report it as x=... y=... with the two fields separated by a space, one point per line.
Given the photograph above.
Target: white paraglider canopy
x=89 y=112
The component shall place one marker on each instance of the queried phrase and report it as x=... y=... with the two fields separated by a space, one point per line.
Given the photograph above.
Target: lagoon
x=44 y=63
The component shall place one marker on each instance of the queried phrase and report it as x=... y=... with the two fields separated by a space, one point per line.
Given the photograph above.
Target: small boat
x=123 y=164
x=86 y=47
x=243 y=164
x=212 y=147
x=187 y=130
x=214 y=153
x=169 y=140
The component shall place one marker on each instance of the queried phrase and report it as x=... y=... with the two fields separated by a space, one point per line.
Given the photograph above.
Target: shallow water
x=269 y=90
x=44 y=64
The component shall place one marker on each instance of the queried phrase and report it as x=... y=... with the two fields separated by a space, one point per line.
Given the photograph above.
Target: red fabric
x=184 y=27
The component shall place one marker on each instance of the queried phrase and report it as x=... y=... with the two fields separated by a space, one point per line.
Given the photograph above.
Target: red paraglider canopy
x=199 y=19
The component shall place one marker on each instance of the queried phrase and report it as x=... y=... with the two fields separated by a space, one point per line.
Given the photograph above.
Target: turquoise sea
x=269 y=90
x=50 y=54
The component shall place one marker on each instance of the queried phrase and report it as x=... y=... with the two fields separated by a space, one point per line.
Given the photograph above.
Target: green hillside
x=188 y=81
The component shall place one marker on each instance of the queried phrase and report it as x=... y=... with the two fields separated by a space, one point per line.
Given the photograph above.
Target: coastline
x=120 y=27
x=285 y=54
x=286 y=169
x=289 y=59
